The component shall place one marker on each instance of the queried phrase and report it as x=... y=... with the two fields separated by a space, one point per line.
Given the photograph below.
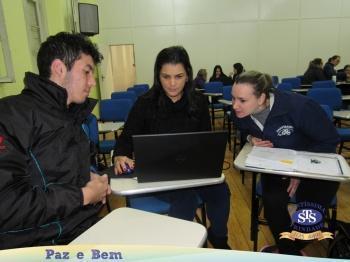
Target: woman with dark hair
x=329 y=68
x=343 y=75
x=200 y=79
x=314 y=72
x=269 y=117
x=237 y=70
x=173 y=106
x=219 y=76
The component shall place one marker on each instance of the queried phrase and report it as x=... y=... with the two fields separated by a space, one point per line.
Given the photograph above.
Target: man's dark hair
x=67 y=47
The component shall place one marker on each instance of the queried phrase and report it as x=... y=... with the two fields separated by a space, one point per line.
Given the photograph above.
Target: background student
x=173 y=106
x=219 y=76
x=272 y=118
x=48 y=194
x=314 y=72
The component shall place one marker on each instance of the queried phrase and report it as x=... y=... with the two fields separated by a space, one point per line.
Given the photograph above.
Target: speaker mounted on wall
x=88 y=19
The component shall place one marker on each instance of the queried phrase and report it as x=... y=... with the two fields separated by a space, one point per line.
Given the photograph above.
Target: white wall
x=279 y=37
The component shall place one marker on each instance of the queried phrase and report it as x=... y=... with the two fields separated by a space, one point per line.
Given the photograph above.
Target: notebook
x=179 y=156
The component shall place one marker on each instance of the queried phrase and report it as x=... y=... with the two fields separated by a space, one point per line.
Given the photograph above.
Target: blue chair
x=140 y=89
x=275 y=80
x=344 y=133
x=327 y=96
x=257 y=220
x=102 y=147
x=124 y=94
x=323 y=84
x=114 y=110
x=285 y=86
x=214 y=88
x=294 y=81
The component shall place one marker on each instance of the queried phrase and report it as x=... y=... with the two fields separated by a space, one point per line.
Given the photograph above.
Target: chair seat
x=149 y=203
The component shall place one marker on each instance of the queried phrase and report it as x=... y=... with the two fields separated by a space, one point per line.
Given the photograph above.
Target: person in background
x=329 y=68
x=237 y=70
x=200 y=79
x=268 y=117
x=344 y=74
x=219 y=76
x=314 y=72
x=48 y=194
x=173 y=106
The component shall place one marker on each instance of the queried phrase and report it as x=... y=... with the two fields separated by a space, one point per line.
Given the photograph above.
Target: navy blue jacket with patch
x=295 y=122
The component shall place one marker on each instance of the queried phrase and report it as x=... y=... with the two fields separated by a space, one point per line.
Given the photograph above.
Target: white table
x=345 y=98
x=127 y=226
x=240 y=164
x=300 y=90
x=225 y=102
x=343 y=114
x=130 y=186
x=104 y=127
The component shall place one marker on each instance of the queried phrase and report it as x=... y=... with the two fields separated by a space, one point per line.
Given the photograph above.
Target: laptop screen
x=179 y=156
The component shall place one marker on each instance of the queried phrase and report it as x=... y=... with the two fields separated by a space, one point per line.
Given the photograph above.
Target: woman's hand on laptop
x=122 y=164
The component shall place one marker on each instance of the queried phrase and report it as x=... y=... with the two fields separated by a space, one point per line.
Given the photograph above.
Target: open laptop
x=179 y=156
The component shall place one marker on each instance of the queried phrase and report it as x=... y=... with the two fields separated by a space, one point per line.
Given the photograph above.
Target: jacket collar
x=55 y=96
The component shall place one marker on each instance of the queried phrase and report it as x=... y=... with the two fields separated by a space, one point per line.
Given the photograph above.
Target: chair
x=323 y=84
x=114 y=110
x=285 y=86
x=344 y=133
x=327 y=96
x=214 y=88
x=102 y=147
x=331 y=214
x=124 y=94
x=275 y=80
x=294 y=81
x=139 y=89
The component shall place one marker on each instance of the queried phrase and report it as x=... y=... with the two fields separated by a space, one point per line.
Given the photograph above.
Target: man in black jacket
x=48 y=194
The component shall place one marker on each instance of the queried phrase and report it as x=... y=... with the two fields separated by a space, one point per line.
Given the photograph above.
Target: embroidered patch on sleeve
x=2 y=141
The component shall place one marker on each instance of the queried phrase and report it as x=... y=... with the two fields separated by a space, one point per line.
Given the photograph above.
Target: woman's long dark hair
x=173 y=55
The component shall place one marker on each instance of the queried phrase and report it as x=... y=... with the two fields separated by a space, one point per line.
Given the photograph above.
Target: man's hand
x=96 y=189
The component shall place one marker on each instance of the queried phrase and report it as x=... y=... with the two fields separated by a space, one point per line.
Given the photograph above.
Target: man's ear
x=58 y=71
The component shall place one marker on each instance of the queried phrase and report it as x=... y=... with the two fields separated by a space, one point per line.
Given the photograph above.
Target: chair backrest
x=227 y=92
x=285 y=86
x=115 y=110
x=275 y=80
x=328 y=111
x=295 y=81
x=92 y=129
x=124 y=94
x=140 y=89
x=326 y=96
x=213 y=87
x=323 y=84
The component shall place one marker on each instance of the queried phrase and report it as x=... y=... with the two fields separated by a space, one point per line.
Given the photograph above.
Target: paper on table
x=271 y=158
x=291 y=160
x=317 y=164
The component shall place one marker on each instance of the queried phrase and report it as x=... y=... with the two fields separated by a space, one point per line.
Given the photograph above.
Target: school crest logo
x=285 y=130
x=307 y=223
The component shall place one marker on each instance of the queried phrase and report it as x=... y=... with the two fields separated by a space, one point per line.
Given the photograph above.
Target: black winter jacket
x=44 y=163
